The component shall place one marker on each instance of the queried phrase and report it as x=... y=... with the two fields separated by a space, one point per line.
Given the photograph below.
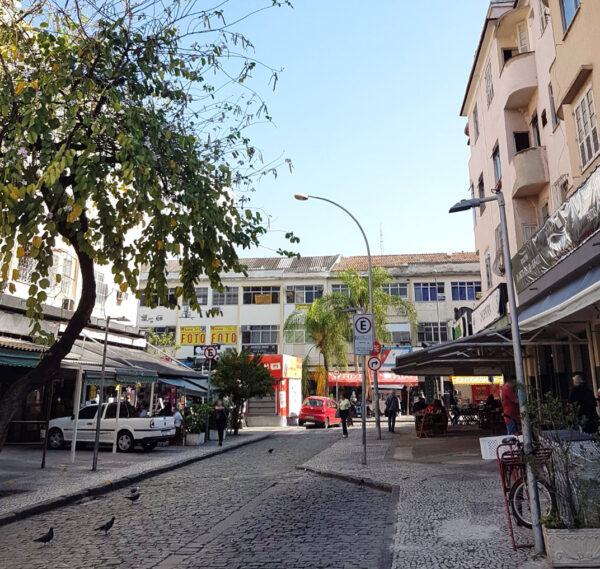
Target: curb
x=387 y=555
x=369 y=483
x=122 y=482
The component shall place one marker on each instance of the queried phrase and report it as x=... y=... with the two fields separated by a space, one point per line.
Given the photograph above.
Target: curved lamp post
x=304 y=197
x=464 y=205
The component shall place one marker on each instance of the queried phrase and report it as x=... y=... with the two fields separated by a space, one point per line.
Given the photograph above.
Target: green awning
x=19 y=359
x=188 y=386
x=135 y=375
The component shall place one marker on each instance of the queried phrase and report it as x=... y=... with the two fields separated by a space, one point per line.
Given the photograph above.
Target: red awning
x=385 y=379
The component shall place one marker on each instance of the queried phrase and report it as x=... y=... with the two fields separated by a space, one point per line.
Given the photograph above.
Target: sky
x=367 y=109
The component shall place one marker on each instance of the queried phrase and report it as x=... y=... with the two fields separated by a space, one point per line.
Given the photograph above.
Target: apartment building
x=254 y=308
x=532 y=131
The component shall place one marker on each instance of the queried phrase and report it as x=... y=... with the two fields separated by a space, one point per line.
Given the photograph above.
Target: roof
x=24 y=345
x=361 y=263
x=291 y=264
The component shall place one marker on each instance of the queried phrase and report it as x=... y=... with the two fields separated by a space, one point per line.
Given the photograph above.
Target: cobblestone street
x=247 y=508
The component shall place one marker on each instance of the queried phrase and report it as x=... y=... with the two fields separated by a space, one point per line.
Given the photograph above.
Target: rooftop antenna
x=381 y=238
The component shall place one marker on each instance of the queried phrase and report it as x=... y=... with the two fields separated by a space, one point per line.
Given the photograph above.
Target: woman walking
x=221 y=413
x=344 y=407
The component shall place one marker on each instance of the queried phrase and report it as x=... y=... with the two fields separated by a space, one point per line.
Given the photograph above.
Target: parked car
x=132 y=429
x=320 y=411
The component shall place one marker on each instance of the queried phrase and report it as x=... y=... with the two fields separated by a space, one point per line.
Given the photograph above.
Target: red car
x=320 y=411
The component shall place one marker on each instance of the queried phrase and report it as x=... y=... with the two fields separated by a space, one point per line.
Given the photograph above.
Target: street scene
x=299 y=284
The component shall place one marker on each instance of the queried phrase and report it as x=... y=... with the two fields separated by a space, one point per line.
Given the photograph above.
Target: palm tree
x=327 y=327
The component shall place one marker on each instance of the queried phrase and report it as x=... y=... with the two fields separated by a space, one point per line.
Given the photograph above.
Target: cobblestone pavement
x=248 y=508
x=450 y=512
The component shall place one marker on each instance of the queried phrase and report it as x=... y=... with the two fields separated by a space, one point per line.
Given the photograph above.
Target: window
x=555 y=119
x=498 y=266
x=535 y=130
x=509 y=53
x=489 y=86
x=202 y=295
x=522 y=37
x=400 y=333
x=587 y=129
x=396 y=289
x=488 y=269
x=497 y=165
x=528 y=231
x=431 y=331
x=426 y=292
x=472 y=194
x=88 y=412
x=101 y=289
x=465 y=290
x=544 y=15
x=340 y=288
x=303 y=294
x=569 y=9
x=294 y=336
x=26 y=267
x=481 y=193
x=521 y=141
x=260 y=339
x=261 y=295
x=228 y=297
x=111 y=412
x=476 y=122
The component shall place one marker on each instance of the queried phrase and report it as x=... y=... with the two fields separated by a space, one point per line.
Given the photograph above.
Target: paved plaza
x=307 y=504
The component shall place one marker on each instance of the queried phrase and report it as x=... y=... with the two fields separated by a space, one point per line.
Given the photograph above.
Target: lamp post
x=534 y=502
x=304 y=197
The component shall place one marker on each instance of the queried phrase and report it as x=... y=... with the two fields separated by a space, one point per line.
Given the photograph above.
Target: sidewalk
x=25 y=489
x=446 y=501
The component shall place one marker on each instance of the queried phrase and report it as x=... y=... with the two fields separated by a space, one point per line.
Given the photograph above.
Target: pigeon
x=47 y=537
x=133 y=497
x=271 y=450
x=361 y=483
x=135 y=490
x=107 y=526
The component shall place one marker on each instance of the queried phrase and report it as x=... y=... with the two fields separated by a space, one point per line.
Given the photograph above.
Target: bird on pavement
x=107 y=526
x=47 y=537
x=133 y=497
x=135 y=490
x=271 y=450
x=361 y=483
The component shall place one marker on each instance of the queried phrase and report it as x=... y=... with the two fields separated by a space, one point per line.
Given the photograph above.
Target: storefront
x=474 y=390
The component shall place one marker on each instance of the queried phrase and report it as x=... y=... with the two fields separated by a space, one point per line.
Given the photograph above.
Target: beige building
x=532 y=129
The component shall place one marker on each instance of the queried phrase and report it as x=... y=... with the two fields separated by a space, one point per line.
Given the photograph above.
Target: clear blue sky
x=367 y=108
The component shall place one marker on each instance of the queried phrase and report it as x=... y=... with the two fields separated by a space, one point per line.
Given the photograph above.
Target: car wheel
x=124 y=442
x=300 y=422
x=151 y=445
x=326 y=425
x=56 y=439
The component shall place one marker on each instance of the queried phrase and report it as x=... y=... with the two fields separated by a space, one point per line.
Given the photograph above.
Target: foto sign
x=362 y=328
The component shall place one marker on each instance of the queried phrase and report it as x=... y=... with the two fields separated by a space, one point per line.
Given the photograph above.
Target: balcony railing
x=518 y=80
x=531 y=171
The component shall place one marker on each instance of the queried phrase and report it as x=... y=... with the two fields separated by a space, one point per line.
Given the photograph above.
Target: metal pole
x=437 y=308
x=100 y=390
x=206 y=427
x=117 y=414
x=363 y=412
x=76 y=405
x=534 y=503
x=375 y=383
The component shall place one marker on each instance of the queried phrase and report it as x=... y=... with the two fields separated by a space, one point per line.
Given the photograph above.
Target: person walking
x=221 y=413
x=344 y=407
x=583 y=400
x=391 y=410
x=510 y=407
x=178 y=420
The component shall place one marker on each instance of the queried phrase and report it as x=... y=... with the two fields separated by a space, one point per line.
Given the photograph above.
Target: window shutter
x=522 y=37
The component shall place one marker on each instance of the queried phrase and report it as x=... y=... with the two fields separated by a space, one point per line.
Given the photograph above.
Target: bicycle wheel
x=518 y=499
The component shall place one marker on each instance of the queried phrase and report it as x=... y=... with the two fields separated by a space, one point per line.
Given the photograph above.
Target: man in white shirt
x=178 y=420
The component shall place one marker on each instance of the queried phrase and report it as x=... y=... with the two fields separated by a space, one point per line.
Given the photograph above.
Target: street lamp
x=304 y=197
x=464 y=205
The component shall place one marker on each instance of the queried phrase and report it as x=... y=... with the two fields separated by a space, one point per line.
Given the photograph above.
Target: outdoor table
x=468 y=416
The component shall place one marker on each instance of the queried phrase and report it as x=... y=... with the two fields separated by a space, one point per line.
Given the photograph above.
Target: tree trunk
x=235 y=418
x=49 y=366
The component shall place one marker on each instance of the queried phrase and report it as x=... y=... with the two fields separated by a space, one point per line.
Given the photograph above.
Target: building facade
x=254 y=308
x=532 y=130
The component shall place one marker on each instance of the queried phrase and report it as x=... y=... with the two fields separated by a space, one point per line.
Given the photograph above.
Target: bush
x=195 y=417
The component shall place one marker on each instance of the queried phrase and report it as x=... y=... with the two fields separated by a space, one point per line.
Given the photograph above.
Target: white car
x=132 y=429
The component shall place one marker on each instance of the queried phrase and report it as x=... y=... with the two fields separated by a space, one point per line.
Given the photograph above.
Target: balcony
x=518 y=80
x=531 y=171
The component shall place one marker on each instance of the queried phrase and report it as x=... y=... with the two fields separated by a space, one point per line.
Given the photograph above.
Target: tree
x=241 y=376
x=162 y=344
x=120 y=135
x=327 y=327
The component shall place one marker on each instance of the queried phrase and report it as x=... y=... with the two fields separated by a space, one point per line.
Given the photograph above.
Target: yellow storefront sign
x=223 y=334
x=192 y=335
x=474 y=379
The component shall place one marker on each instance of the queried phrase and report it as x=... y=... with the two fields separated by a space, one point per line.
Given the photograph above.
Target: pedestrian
x=344 y=408
x=221 y=414
x=581 y=397
x=510 y=407
x=391 y=410
x=178 y=420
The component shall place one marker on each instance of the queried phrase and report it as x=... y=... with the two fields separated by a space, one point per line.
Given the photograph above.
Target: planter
x=573 y=547
x=194 y=439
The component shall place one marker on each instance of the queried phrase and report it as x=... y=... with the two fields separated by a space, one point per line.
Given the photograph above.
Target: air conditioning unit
x=441 y=296
x=68 y=304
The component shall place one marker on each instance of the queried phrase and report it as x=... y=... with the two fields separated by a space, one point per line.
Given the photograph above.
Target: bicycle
x=513 y=476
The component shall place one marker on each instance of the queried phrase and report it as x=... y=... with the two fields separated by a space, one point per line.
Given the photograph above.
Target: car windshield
x=313 y=402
